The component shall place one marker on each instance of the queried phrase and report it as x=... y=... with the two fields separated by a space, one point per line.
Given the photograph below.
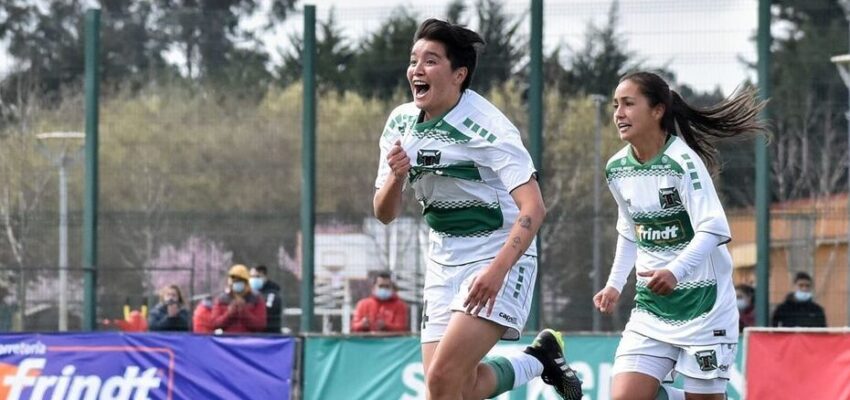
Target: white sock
x=526 y=367
x=673 y=393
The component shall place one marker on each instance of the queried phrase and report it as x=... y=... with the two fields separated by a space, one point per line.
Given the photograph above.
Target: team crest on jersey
x=669 y=197
x=707 y=360
x=427 y=157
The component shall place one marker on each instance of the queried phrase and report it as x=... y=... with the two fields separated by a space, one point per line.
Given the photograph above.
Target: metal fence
x=200 y=148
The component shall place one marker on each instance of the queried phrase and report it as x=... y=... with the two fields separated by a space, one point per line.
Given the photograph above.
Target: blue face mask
x=256 y=283
x=383 y=293
x=800 y=295
x=238 y=286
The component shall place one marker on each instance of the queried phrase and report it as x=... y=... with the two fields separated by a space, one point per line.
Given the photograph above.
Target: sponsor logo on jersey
x=507 y=317
x=669 y=197
x=707 y=360
x=428 y=157
x=659 y=233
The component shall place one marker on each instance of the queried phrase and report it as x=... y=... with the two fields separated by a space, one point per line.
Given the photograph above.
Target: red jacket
x=391 y=312
x=202 y=318
x=250 y=317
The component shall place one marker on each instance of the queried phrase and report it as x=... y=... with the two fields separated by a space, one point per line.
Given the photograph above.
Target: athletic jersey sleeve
x=624 y=260
x=701 y=201
x=509 y=159
x=392 y=132
x=625 y=224
x=695 y=253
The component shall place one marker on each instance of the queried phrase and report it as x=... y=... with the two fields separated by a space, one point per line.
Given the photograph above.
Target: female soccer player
x=479 y=195
x=673 y=229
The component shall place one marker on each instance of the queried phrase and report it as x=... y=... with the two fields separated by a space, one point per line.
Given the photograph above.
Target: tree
x=504 y=47
x=49 y=44
x=381 y=63
x=809 y=100
x=209 y=36
x=455 y=10
x=596 y=69
x=333 y=61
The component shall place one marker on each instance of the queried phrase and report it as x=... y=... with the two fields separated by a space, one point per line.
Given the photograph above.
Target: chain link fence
x=200 y=146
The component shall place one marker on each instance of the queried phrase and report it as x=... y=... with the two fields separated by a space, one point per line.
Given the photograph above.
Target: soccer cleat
x=548 y=348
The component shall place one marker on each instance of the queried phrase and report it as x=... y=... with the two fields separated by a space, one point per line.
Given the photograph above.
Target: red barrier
x=798 y=365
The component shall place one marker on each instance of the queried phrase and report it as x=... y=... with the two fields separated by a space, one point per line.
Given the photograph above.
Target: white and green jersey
x=662 y=203
x=464 y=166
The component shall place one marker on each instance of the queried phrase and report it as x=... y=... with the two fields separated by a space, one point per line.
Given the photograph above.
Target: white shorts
x=446 y=289
x=705 y=368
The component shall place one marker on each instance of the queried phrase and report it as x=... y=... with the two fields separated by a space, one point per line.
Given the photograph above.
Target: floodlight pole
x=845 y=76
x=598 y=101
x=62 y=160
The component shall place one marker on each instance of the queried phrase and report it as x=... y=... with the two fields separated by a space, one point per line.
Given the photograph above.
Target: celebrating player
x=673 y=229
x=479 y=194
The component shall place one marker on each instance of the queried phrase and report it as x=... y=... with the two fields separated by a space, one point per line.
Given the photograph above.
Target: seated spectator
x=746 y=306
x=202 y=316
x=170 y=313
x=134 y=320
x=260 y=283
x=239 y=309
x=382 y=311
x=799 y=309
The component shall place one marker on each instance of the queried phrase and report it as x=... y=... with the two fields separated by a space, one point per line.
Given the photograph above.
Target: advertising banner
x=366 y=368
x=798 y=365
x=118 y=366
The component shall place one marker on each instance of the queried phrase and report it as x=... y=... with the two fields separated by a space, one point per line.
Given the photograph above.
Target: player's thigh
x=466 y=341
x=700 y=396
x=634 y=386
x=428 y=350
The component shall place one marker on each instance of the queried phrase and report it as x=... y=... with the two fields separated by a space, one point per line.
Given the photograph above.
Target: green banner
x=366 y=368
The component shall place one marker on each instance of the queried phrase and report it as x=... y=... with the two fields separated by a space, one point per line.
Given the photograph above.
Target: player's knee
x=441 y=380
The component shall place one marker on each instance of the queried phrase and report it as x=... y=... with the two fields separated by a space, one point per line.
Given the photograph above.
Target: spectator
x=382 y=311
x=239 y=309
x=171 y=313
x=202 y=317
x=134 y=320
x=8 y=309
x=799 y=309
x=746 y=306
x=270 y=290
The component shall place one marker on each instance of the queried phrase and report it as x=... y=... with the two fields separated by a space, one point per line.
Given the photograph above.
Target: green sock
x=504 y=374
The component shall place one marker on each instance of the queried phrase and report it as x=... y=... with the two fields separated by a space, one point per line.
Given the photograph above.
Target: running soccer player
x=673 y=229
x=478 y=190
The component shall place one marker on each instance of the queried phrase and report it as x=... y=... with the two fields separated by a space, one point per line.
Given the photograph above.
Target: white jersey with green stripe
x=662 y=203
x=465 y=163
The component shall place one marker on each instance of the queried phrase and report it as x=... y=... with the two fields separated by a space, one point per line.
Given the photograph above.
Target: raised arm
x=387 y=202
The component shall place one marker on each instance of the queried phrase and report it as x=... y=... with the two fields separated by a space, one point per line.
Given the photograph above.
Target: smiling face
x=634 y=117
x=435 y=86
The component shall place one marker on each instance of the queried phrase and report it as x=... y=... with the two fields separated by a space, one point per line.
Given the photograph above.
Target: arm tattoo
x=516 y=241
x=525 y=221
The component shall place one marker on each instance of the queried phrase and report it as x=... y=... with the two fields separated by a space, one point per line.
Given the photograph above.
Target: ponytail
x=737 y=116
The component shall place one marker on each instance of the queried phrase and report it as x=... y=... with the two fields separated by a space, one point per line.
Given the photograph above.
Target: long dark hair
x=738 y=115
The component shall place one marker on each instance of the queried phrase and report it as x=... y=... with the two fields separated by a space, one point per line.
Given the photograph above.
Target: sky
x=703 y=42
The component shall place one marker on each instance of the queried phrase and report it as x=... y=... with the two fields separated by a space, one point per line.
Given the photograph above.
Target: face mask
x=238 y=286
x=743 y=304
x=256 y=283
x=802 y=296
x=383 y=293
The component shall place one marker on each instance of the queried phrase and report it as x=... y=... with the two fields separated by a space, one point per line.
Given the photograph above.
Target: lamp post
x=599 y=102
x=62 y=155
